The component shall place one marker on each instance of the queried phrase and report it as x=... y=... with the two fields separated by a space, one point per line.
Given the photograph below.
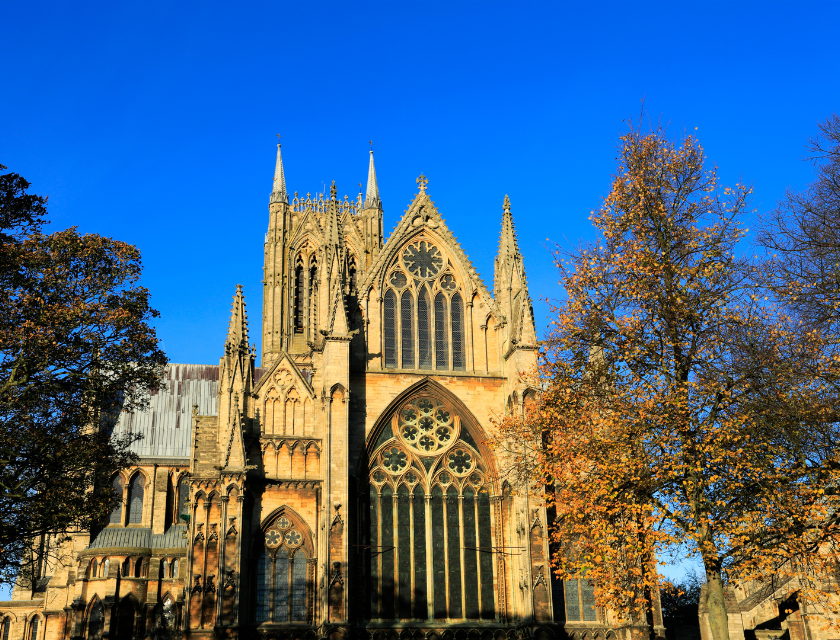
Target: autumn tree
x=682 y=409
x=76 y=347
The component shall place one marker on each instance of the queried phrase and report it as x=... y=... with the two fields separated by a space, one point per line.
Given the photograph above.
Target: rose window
x=284 y=523
x=426 y=426
x=293 y=538
x=394 y=460
x=273 y=538
x=423 y=260
x=459 y=461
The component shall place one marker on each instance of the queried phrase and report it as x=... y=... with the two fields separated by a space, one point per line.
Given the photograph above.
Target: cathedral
x=345 y=488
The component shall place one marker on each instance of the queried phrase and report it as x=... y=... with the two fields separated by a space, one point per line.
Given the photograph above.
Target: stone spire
x=508 y=245
x=372 y=194
x=278 y=193
x=511 y=286
x=237 y=338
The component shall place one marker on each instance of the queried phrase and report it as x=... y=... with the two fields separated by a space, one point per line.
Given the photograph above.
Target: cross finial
x=371 y=144
x=422 y=181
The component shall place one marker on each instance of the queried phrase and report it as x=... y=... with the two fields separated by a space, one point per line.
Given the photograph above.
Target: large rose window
x=423 y=259
x=427 y=426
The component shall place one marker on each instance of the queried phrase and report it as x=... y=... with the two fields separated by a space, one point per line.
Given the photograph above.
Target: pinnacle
x=238 y=326
x=372 y=193
x=278 y=192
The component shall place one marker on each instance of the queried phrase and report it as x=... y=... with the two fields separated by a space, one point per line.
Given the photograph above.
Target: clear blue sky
x=154 y=122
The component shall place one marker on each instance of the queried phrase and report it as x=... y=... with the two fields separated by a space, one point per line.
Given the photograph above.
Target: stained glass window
x=390 y=329
x=33 y=628
x=95 y=619
x=459 y=360
x=424 y=339
x=135 y=499
x=407 y=315
x=7 y=625
x=299 y=586
x=116 y=512
x=281 y=585
x=441 y=341
x=263 y=586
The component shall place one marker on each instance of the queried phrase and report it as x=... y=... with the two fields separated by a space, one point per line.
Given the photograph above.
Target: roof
x=136 y=537
x=166 y=424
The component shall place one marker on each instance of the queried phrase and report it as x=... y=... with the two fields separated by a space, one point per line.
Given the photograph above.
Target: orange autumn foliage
x=683 y=409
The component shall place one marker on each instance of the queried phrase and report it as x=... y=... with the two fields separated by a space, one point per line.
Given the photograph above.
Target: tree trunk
x=716 y=605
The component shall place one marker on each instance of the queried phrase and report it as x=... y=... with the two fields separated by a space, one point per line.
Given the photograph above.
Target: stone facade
x=345 y=487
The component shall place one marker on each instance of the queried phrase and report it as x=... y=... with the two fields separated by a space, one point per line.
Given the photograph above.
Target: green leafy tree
x=76 y=348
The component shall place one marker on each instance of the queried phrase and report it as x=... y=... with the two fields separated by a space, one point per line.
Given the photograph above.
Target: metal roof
x=136 y=537
x=166 y=425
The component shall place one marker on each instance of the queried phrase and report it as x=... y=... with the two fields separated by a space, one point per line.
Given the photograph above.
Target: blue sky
x=154 y=122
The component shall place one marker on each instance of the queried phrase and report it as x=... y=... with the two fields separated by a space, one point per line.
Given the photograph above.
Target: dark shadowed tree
x=76 y=348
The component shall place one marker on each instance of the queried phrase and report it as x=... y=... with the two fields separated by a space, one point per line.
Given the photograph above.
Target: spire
x=278 y=193
x=237 y=338
x=372 y=193
x=332 y=217
x=507 y=242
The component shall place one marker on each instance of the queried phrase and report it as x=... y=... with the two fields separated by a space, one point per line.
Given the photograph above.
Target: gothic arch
x=296 y=522
x=431 y=387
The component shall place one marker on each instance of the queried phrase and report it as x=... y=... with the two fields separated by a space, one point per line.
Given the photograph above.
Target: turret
x=511 y=285
x=236 y=378
x=274 y=266
x=372 y=215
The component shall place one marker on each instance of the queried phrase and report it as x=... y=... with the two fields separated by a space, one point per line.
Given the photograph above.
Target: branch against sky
x=681 y=408
x=76 y=348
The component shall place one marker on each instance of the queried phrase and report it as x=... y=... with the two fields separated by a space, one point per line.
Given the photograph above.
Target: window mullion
x=270 y=593
x=462 y=538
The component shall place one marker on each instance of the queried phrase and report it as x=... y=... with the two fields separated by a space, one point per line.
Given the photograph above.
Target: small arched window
x=390 y=329
x=441 y=337
x=164 y=569
x=459 y=359
x=175 y=564
x=138 y=568
x=407 y=315
x=33 y=628
x=126 y=568
x=106 y=565
x=95 y=621
x=116 y=512
x=4 y=630
x=94 y=565
x=135 y=499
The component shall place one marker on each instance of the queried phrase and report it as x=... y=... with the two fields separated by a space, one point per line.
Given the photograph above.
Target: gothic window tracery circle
x=293 y=538
x=426 y=426
x=398 y=279
x=273 y=538
x=423 y=260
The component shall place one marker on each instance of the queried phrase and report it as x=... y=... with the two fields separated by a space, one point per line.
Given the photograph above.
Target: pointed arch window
x=95 y=621
x=428 y=473
x=407 y=317
x=183 y=501
x=459 y=359
x=390 y=328
x=4 y=630
x=116 y=512
x=136 y=489
x=313 y=291
x=282 y=581
x=33 y=628
x=441 y=337
x=298 y=306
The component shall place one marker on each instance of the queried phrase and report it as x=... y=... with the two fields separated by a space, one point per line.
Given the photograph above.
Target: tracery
x=428 y=518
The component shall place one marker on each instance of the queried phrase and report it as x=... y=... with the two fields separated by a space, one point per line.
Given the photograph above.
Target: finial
x=333 y=191
x=279 y=137
x=371 y=145
x=422 y=181
x=239 y=288
x=507 y=204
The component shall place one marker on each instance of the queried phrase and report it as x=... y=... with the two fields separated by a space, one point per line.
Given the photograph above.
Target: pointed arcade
x=278 y=193
x=372 y=194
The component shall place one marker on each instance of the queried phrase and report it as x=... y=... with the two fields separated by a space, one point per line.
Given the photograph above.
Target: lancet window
x=580 y=600
x=299 y=290
x=283 y=585
x=116 y=512
x=136 y=489
x=95 y=621
x=429 y=518
x=423 y=312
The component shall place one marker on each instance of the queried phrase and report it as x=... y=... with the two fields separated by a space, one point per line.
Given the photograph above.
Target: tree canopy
x=684 y=406
x=76 y=348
